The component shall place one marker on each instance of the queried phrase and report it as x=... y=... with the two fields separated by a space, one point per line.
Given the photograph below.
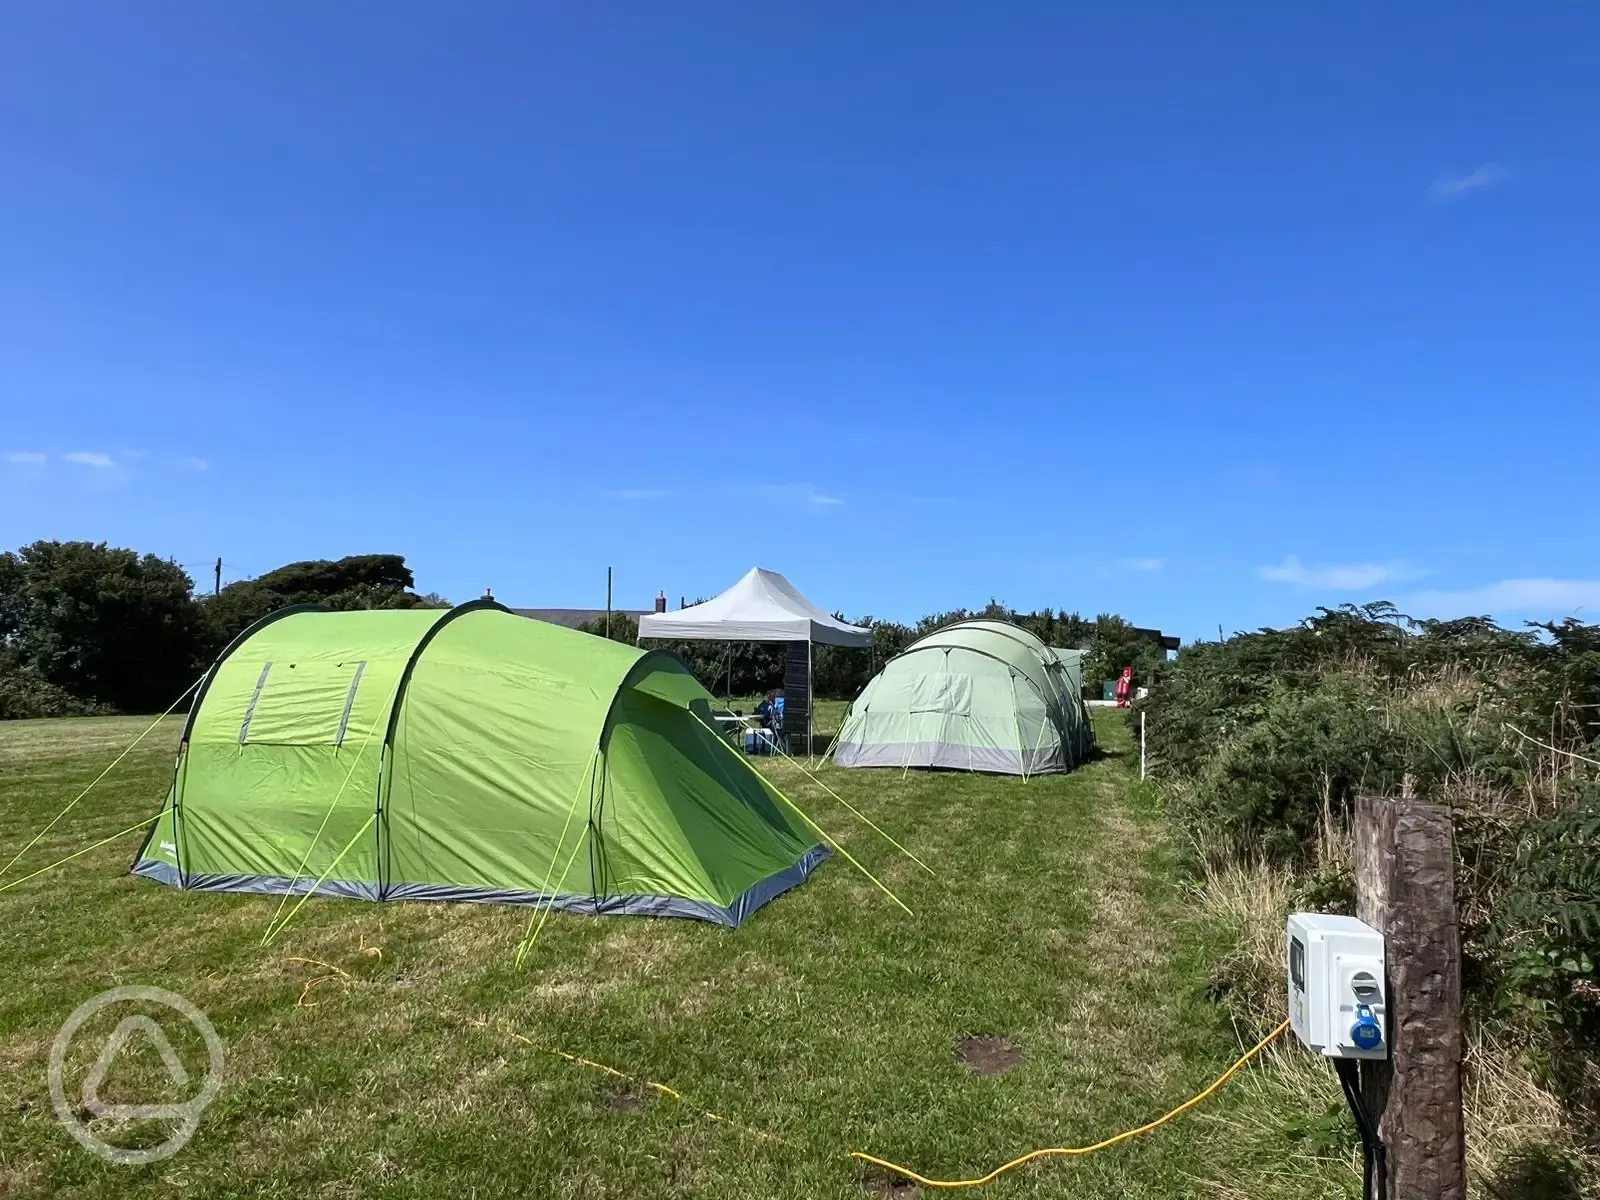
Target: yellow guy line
x=863 y=816
x=822 y=833
x=1076 y=1151
x=544 y=913
x=541 y=912
x=98 y=778
x=299 y=872
x=81 y=853
x=272 y=932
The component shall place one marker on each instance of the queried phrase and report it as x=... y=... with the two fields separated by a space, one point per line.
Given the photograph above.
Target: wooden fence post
x=1405 y=889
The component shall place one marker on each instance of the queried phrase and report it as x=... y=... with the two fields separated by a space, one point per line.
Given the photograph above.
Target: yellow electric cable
x=1076 y=1151
x=895 y=1168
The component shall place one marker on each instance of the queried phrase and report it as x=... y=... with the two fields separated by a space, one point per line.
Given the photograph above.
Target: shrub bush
x=25 y=693
x=1263 y=741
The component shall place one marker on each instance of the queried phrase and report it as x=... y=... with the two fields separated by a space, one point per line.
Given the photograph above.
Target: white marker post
x=1141 y=744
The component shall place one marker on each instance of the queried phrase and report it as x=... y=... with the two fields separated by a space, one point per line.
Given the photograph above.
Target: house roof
x=573 y=617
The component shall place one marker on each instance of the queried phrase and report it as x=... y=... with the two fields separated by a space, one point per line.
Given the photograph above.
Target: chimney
x=661 y=602
x=488 y=593
x=681 y=604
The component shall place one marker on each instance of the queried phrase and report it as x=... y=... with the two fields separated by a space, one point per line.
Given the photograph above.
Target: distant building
x=1167 y=641
x=1164 y=641
x=574 y=617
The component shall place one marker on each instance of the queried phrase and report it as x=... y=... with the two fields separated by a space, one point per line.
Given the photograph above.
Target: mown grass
x=1056 y=919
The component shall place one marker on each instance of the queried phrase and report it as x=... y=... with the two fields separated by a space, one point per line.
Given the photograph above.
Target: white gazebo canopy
x=761 y=607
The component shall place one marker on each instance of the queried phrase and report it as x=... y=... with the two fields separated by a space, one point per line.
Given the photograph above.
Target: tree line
x=750 y=668
x=91 y=628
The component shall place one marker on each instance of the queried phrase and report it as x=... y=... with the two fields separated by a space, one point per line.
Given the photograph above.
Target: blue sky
x=1204 y=314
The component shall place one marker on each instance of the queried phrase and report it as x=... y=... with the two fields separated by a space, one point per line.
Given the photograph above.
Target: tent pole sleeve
x=1016 y=720
x=1039 y=741
x=180 y=779
x=944 y=717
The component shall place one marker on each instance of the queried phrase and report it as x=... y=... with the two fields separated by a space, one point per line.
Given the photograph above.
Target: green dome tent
x=973 y=696
x=431 y=755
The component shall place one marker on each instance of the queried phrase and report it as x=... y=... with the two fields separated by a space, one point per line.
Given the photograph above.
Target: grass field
x=829 y=1023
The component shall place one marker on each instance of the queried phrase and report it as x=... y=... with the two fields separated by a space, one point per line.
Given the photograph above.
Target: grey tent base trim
x=949 y=756
x=733 y=915
x=261 y=885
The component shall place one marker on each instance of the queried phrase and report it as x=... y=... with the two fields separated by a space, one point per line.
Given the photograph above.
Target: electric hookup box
x=1336 y=989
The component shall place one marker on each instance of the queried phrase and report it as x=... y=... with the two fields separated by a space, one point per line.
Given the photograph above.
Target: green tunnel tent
x=974 y=696
x=438 y=755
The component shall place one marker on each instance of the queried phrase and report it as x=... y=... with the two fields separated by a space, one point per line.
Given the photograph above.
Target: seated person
x=769 y=712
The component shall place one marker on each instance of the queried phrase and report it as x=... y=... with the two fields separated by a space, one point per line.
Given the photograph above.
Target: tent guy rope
x=73 y=804
x=818 y=829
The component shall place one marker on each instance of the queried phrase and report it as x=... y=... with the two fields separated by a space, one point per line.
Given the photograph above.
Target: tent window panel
x=942 y=693
x=302 y=704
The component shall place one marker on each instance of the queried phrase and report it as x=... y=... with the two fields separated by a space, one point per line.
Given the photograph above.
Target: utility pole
x=608 y=602
x=216 y=581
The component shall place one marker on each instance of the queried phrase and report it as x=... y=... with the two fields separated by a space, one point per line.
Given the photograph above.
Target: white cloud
x=1347 y=577
x=25 y=458
x=1141 y=564
x=796 y=495
x=194 y=464
x=1453 y=187
x=90 y=458
x=639 y=494
x=1552 y=596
